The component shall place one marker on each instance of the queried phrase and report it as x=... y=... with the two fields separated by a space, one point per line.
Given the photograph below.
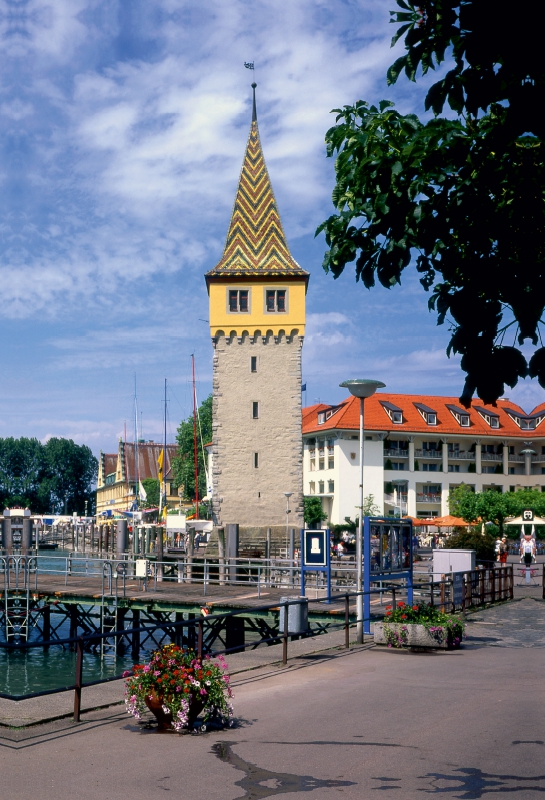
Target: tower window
x=275 y=300
x=256 y=460
x=253 y=364
x=255 y=410
x=238 y=300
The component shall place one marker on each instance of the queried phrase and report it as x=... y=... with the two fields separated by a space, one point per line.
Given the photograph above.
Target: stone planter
x=416 y=637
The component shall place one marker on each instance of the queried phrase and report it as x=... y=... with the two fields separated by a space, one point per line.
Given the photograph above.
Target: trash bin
x=297 y=615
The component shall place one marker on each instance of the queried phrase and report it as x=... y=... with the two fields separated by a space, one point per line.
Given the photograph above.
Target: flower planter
x=414 y=636
x=164 y=718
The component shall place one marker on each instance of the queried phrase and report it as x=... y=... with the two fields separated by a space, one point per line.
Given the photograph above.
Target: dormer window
x=428 y=414
x=321 y=417
x=394 y=412
x=491 y=419
x=525 y=422
x=460 y=415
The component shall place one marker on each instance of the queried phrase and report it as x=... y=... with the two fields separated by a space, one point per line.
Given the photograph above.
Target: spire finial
x=254 y=110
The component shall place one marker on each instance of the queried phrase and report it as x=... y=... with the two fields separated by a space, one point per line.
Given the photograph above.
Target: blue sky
x=123 y=127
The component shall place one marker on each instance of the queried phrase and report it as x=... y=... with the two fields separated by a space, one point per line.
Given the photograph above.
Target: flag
x=249 y=64
x=142 y=494
x=304 y=387
x=160 y=463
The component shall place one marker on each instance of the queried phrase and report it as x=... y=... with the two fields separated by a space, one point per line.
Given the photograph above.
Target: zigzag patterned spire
x=256 y=243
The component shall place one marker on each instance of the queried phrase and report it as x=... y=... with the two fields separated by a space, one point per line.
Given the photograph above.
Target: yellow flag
x=160 y=463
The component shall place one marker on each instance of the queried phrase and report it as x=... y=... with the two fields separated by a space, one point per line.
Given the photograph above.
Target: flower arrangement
x=183 y=684
x=440 y=625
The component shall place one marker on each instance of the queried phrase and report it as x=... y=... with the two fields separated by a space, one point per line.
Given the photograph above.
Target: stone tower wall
x=243 y=493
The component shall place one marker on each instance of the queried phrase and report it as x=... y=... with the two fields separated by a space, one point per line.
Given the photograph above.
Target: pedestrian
x=503 y=551
x=497 y=549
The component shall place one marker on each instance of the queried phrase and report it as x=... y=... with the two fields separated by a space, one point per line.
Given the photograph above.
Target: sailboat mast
x=195 y=448
x=136 y=464
x=165 y=450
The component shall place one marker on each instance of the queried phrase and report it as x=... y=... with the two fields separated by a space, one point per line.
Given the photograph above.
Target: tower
x=257 y=297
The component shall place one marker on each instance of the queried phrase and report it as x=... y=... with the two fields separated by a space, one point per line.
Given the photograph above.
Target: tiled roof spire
x=256 y=243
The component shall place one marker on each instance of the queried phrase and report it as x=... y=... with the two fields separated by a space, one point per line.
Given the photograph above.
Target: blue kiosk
x=387 y=556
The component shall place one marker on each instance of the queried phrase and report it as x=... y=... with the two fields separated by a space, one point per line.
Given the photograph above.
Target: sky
x=123 y=127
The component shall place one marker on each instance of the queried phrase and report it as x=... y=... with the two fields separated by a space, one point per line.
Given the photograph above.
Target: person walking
x=503 y=551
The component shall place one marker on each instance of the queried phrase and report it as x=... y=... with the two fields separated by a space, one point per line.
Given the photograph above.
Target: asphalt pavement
x=464 y=724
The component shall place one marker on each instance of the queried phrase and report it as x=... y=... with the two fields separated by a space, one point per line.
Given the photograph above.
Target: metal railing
x=478 y=588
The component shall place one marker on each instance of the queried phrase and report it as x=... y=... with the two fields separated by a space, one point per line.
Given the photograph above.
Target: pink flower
x=147 y=668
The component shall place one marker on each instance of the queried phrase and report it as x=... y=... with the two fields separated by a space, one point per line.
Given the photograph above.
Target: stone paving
x=517 y=624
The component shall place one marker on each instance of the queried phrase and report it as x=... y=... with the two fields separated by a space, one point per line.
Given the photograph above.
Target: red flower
x=388 y=613
x=400 y=604
x=388 y=606
x=415 y=608
x=403 y=616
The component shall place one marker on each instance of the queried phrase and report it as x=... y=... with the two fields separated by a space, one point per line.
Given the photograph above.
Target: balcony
x=498 y=457
x=538 y=459
x=517 y=459
x=393 y=452
x=461 y=455
x=427 y=498
x=438 y=454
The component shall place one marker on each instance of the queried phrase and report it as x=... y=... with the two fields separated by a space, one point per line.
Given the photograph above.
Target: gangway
x=17 y=571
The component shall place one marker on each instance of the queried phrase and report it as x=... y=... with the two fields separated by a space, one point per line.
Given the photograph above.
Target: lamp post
x=361 y=388
x=287 y=495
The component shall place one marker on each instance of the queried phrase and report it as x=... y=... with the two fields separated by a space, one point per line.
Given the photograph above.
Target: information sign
x=315 y=550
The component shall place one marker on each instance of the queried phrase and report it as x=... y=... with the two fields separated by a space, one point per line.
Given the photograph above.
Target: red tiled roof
x=346 y=416
x=148 y=453
x=110 y=463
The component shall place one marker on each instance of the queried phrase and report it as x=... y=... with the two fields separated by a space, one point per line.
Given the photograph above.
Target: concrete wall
x=242 y=493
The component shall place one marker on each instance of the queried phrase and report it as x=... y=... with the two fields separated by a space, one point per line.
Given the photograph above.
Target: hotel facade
x=416 y=449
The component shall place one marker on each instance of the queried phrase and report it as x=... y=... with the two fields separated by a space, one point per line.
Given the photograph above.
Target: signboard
x=315 y=550
x=315 y=556
x=528 y=515
x=141 y=567
x=457 y=588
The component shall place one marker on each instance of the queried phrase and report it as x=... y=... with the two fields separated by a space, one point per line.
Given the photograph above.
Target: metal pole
x=78 y=681
x=285 y=636
x=359 y=543
x=346 y=622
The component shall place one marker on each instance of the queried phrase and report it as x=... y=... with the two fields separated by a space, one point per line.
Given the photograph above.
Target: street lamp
x=361 y=388
x=287 y=495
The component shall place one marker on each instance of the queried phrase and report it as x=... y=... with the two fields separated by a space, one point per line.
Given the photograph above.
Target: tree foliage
x=313 y=513
x=47 y=478
x=463 y=199
x=473 y=539
x=184 y=463
x=495 y=507
x=153 y=491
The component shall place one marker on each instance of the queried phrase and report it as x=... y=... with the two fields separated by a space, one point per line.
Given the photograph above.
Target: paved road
x=467 y=724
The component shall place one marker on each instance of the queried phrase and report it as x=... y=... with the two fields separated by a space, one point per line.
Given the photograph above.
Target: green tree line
x=47 y=478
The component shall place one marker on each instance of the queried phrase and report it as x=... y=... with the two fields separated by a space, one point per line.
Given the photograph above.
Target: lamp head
x=361 y=387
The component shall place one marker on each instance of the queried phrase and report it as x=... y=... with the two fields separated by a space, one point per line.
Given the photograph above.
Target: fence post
x=493 y=585
x=285 y=635
x=77 y=682
x=346 y=622
x=511 y=581
x=482 y=575
x=431 y=591
x=543 y=581
x=200 y=639
x=394 y=604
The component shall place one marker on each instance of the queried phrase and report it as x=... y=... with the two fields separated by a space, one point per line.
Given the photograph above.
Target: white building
x=417 y=448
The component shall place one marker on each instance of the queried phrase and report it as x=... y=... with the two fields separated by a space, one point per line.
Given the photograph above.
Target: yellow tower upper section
x=257 y=285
